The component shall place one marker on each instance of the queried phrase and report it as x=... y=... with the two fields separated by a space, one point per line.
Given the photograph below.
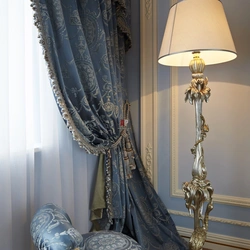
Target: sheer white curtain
x=39 y=161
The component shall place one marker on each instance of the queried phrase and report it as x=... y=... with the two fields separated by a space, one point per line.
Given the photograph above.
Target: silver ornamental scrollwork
x=198 y=191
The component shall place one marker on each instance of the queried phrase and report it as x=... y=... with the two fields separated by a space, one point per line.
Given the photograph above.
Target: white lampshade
x=197 y=25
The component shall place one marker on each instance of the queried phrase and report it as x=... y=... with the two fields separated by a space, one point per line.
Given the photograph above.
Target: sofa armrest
x=51 y=228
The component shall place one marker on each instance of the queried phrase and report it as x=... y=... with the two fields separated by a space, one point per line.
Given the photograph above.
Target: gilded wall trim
x=219 y=241
x=148 y=95
x=148 y=8
x=213 y=218
x=149 y=161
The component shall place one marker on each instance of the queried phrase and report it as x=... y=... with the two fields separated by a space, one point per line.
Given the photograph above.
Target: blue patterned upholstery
x=107 y=240
x=51 y=229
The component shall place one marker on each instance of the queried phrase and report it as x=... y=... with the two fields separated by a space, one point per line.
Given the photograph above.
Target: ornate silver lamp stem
x=198 y=192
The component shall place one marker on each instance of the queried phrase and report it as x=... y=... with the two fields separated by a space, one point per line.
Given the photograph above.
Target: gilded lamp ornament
x=198 y=191
x=191 y=41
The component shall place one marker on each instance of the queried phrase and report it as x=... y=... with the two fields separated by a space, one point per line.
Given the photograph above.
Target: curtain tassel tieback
x=128 y=157
x=127 y=145
x=128 y=151
x=109 y=208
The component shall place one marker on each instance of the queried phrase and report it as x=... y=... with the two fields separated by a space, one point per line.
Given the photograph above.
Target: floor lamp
x=196 y=33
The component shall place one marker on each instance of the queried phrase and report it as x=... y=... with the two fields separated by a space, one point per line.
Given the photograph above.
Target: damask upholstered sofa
x=51 y=229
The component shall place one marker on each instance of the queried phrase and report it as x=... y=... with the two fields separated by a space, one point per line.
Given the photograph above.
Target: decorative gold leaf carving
x=148 y=6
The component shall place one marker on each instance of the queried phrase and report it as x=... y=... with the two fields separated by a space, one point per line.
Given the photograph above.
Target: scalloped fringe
x=77 y=136
x=57 y=91
x=121 y=22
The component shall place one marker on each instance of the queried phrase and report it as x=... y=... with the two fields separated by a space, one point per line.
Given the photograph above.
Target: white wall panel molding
x=175 y=191
x=219 y=241
x=148 y=95
x=213 y=218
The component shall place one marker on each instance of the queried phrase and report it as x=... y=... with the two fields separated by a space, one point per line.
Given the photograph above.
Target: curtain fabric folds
x=84 y=43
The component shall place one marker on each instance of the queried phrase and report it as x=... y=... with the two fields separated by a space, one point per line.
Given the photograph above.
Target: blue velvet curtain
x=84 y=43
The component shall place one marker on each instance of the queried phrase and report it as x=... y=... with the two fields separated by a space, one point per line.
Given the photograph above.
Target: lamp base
x=198 y=239
x=199 y=191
